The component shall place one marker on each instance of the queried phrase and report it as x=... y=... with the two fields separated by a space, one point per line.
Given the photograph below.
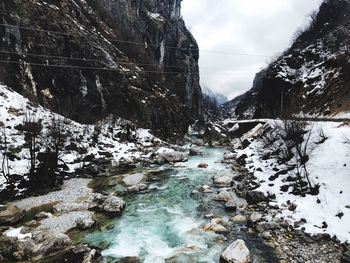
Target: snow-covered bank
x=329 y=166
x=112 y=139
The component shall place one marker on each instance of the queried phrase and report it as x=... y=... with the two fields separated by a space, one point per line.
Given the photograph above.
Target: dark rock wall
x=152 y=60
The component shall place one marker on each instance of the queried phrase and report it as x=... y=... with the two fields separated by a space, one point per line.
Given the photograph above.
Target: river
x=164 y=224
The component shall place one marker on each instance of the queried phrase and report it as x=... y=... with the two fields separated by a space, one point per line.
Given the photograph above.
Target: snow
x=329 y=166
x=155 y=16
x=13 y=107
x=16 y=232
x=163 y=150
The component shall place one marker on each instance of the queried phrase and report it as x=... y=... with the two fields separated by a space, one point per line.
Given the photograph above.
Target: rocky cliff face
x=134 y=59
x=312 y=77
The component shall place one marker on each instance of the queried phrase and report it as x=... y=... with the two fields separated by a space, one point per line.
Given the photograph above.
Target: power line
x=101 y=61
x=112 y=69
x=135 y=43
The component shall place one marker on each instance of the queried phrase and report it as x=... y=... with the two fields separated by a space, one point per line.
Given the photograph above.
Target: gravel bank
x=74 y=190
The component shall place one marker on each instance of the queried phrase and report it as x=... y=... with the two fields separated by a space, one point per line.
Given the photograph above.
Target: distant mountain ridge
x=310 y=78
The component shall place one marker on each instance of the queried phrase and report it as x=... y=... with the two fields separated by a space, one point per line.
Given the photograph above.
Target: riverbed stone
x=133 y=179
x=172 y=157
x=43 y=215
x=238 y=219
x=113 y=205
x=230 y=206
x=84 y=222
x=255 y=197
x=224 y=180
x=255 y=217
x=216 y=228
x=203 y=165
x=131 y=260
x=195 y=151
x=237 y=252
x=223 y=196
x=11 y=215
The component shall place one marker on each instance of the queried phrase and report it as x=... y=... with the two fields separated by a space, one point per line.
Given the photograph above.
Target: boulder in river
x=255 y=197
x=130 y=260
x=172 y=157
x=230 y=206
x=203 y=165
x=194 y=151
x=84 y=222
x=11 y=215
x=238 y=219
x=224 y=180
x=113 y=205
x=133 y=179
x=255 y=217
x=237 y=252
x=224 y=196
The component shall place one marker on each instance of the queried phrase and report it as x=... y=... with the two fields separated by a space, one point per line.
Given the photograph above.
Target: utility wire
x=112 y=69
x=101 y=61
x=133 y=42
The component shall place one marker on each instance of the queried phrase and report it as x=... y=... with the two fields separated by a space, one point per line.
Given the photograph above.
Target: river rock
x=223 y=196
x=203 y=165
x=43 y=215
x=133 y=179
x=225 y=180
x=11 y=215
x=206 y=189
x=346 y=257
x=49 y=241
x=113 y=205
x=216 y=228
x=238 y=219
x=172 y=157
x=230 y=206
x=178 y=253
x=91 y=256
x=255 y=197
x=237 y=252
x=137 y=188
x=84 y=222
x=131 y=260
x=198 y=142
x=255 y=217
x=229 y=155
x=194 y=151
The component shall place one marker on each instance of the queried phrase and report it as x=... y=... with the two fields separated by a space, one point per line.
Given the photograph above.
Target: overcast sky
x=253 y=27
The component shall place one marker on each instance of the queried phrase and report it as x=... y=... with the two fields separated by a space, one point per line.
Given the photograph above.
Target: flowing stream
x=165 y=223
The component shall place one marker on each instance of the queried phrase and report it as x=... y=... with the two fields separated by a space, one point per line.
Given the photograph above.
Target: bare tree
x=32 y=128
x=4 y=151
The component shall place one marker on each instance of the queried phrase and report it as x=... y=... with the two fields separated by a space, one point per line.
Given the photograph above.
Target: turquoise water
x=164 y=224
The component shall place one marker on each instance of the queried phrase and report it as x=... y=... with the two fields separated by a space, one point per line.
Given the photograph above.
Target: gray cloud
x=245 y=27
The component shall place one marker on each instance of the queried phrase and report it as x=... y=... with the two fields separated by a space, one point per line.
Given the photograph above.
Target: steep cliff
x=312 y=77
x=87 y=59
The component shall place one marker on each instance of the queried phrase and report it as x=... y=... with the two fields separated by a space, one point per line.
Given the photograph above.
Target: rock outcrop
x=88 y=59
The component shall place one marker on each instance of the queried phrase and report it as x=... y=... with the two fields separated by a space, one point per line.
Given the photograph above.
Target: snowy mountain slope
x=327 y=212
x=311 y=77
x=112 y=139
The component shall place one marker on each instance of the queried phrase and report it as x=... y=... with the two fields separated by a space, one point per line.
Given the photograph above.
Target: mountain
x=311 y=77
x=87 y=59
x=218 y=97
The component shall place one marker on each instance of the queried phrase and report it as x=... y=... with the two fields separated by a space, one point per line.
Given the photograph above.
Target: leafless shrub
x=291 y=140
x=4 y=152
